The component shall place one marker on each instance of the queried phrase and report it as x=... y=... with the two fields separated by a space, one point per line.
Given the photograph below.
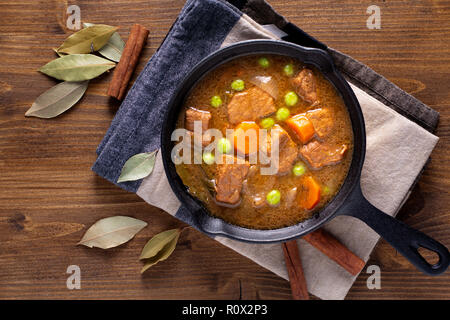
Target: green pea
x=216 y=101
x=238 y=85
x=264 y=62
x=282 y=114
x=299 y=169
x=224 y=145
x=208 y=158
x=267 y=123
x=291 y=98
x=288 y=70
x=326 y=190
x=273 y=197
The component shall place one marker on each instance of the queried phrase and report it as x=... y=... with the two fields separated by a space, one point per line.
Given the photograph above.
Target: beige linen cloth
x=397 y=150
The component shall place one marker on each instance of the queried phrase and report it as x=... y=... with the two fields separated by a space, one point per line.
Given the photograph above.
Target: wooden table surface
x=49 y=196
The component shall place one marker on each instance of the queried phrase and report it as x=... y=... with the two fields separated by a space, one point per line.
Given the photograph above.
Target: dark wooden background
x=49 y=196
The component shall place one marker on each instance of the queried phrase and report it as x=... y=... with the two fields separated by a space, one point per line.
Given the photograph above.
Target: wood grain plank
x=49 y=195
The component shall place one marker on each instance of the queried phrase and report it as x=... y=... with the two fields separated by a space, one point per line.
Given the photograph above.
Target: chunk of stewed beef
x=322 y=121
x=201 y=140
x=319 y=154
x=250 y=105
x=193 y=114
x=229 y=179
x=305 y=86
x=287 y=150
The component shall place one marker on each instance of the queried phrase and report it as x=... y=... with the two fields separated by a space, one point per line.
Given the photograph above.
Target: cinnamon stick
x=335 y=250
x=128 y=61
x=295 y=271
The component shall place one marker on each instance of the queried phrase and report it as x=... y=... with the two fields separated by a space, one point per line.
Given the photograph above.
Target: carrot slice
x=309 y=195
x=246 y=137
x=302 y=126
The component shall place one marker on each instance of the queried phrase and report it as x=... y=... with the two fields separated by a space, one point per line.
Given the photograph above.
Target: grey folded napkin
x=399 y=131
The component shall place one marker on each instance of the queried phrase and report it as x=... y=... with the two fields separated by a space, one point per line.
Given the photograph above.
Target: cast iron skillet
x=349 y=200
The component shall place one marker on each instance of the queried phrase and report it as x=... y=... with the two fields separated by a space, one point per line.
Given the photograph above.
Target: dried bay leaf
x=77 y=67
x=159 y=248
x=112 y=232
x=57 y=99
x=113 y=49
x=60 y=54
x=138 y=166
x=89 y=39
x=161 y=256
x=155 y=244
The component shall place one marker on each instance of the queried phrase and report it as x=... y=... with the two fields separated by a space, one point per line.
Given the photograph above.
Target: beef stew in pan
x=278 y=99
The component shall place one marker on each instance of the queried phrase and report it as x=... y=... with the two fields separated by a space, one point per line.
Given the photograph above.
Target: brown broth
x=217 y=82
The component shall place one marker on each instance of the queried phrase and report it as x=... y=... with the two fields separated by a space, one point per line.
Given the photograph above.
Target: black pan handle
x=404 y=239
